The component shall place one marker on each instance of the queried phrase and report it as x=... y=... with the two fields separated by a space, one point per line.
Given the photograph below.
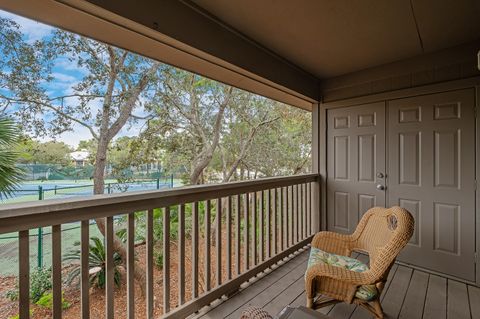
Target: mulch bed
x=9 y=308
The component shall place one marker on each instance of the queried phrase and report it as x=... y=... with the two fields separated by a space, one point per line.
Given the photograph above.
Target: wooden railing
x=257 y=223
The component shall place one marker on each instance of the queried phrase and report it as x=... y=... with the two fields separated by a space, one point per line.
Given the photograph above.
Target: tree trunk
x=99 y=188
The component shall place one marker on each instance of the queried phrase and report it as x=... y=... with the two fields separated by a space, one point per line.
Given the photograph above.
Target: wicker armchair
x=382 y=233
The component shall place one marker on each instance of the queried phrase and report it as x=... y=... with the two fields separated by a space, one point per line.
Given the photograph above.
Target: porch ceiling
x=297 y=52
x=331 y=38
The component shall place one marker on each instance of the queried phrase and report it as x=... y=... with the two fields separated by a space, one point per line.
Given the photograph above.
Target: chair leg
x=377 y=307
x=310 y=303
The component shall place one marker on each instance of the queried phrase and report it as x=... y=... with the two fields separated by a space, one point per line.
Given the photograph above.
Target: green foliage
x=46 y=301
x=51 y=152
x=158 y=258
x=40 y=282
x=10 y=174
x=17 y=316
x=97 y=264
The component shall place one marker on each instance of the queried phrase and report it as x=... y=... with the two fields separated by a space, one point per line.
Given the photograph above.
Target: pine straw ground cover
x=9 y=308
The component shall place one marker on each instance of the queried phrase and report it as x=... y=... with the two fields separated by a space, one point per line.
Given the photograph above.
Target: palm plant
x=10 y=174
x=97 y=262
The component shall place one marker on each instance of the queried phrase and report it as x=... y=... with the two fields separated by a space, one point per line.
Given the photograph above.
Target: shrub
x=47 y=301
x=158 y=258
x=40 y=282
x=97 y=263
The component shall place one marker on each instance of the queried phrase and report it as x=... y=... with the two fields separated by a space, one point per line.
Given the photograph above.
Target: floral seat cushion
x=317 y=256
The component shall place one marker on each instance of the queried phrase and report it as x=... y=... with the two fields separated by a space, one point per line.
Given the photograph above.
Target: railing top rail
x=21 y=216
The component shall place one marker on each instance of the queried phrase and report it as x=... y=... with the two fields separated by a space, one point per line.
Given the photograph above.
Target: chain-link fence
x=40 y=239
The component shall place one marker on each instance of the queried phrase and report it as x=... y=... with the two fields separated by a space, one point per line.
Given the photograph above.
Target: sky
x=66 y=75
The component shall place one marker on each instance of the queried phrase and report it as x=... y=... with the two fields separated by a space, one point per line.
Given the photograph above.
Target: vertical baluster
x=298 y=213
x=274 y=228
x=280 y=216
x=254 y=229
x=218 y=242
x=195 y=250
x=57 y=271
x=24 y=274
x=268 y=234
x=149 y=263
x=237 y=235
x=131 y=266
x=166 y=260
x=246 y=246
x=300 y=210
x=310 y=231
x=181 y=255
x=262 y=226
x=294 y=213
x=207 y=261
x=304 y=206
x=292 y=216
x=287 y=217
x=229 y=238
x=110 y=268
x=84 y=266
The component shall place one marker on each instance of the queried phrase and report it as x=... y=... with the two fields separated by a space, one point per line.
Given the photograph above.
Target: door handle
x=380 y=187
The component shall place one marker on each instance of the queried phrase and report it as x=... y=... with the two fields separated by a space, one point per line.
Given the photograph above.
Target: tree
x=52 y=152
x=10 y=174
x=103 y=101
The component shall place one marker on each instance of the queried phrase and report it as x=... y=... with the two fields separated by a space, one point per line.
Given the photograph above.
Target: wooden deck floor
x=408 y=294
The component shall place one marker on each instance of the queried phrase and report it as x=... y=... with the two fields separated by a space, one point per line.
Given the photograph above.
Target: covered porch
x=394 y=92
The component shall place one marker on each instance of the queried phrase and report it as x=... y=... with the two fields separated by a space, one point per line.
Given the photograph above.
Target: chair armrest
x=333 y=243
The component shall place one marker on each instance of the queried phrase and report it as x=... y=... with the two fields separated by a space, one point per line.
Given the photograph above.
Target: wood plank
x=288 y=295
x=57 y=271
x=395 y=295
x=254 y=228
x=206 y=235
x=341 y=310
x=24 y=274
x=195 y=250
x=51 y=212
x=295 y=213
x=166 y=260
x=436 y=300
x=458 y=306
x=246 y=229
x=229 y=238
x=272 y=291
x=110 y=269
x=149 y=264
x=281 y=220
x=130 y=266
x=284 y=218
x=84 y=266
x=415 y=298
x=237 y=234
x=268 y=220
x=249 y=293
x=262 y=226
x=474 y=297
x=181 y=255
x=218 y=242
x=274 y=221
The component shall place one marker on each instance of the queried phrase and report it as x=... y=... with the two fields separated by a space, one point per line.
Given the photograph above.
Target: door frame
x=321 y=117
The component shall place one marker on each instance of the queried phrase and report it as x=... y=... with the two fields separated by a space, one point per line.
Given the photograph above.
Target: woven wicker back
x=383 y=232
